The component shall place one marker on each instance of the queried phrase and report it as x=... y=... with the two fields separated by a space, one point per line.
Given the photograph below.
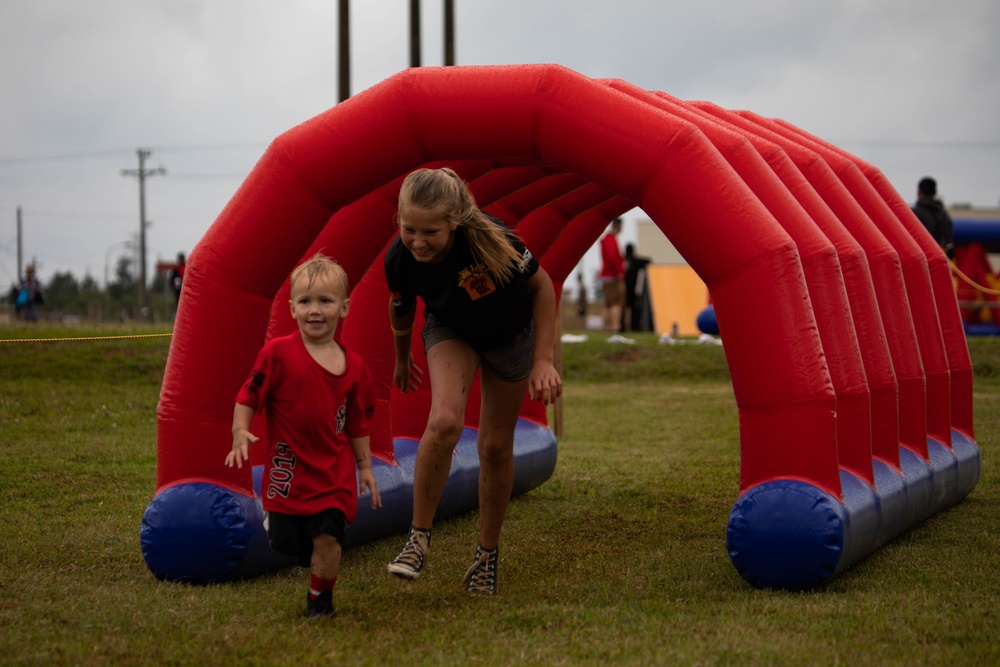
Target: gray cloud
x=910 y=86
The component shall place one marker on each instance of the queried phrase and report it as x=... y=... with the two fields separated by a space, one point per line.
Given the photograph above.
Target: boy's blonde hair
x=318 y=265
x=443 y=193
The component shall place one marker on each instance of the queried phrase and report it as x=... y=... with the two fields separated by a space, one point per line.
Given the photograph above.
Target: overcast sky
x=911 y=86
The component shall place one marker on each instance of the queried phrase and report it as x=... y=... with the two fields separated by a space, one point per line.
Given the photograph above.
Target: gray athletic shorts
x=511 y=363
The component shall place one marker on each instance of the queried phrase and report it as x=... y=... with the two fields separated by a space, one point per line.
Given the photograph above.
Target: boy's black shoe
x=321 y=606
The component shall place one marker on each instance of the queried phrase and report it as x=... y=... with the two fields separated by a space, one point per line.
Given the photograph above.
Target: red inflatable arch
x=849 y=368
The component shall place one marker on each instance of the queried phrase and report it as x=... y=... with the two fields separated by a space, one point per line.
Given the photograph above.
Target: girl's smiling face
x=427 y=235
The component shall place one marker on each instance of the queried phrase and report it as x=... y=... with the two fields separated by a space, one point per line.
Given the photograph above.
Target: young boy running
x=317 y=399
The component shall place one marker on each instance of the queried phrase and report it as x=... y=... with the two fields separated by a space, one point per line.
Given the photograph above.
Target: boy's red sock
x=317 y=585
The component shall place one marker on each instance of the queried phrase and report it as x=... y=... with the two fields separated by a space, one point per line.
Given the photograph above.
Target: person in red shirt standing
x=612 y=277
x=319 y=404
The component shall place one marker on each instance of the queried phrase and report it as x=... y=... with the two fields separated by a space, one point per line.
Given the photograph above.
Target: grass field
x=619 y=558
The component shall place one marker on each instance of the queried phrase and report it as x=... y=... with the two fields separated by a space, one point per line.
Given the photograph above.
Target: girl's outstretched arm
x=406 y=375
x=544 y=384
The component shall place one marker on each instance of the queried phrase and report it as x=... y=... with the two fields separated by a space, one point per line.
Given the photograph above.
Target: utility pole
x=20 y=265
x=449 y=32
x=414 y=33
x=142 y=174
x=345 y=50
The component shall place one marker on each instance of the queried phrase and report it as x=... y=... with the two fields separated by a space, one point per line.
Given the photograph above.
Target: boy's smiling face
x=318 y=307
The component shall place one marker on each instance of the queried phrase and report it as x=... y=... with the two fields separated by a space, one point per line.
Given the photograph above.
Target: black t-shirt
x=935 y=218
x=463 y=295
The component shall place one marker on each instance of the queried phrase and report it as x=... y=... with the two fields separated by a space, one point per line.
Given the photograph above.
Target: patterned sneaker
x=321 y=606
x=410 y=560
x=482 y=576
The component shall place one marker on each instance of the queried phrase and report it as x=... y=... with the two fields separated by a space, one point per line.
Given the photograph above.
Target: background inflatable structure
x=977 y=285
x=842 y=331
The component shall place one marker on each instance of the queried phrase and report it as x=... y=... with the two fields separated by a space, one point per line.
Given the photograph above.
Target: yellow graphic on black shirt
x=477 y=281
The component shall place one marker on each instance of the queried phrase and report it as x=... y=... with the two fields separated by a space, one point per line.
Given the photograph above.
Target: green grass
x=619 y=558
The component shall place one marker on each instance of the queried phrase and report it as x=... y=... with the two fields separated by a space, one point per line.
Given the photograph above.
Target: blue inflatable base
x=789 y=534
x=201 y=533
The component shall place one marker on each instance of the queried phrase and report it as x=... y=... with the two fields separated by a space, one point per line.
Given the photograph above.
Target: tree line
x=68 y=298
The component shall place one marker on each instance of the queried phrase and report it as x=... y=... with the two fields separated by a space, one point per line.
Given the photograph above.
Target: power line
x=256 y=145
x=51 y=214
x=947 y=145
x=118 y=152
x=57 y=157
x=205 y=177
x=900 y=144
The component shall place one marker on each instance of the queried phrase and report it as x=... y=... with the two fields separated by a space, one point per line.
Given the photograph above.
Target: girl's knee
x=496 y=452
x=445 y=429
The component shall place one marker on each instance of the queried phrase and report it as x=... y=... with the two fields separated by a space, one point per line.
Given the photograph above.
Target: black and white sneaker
x=481 y=579
x=410 y=560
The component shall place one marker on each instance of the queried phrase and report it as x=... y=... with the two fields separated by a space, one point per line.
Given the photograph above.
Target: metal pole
x=142 y=173
x=449 y=32
x=345 y=51
x=143 y=154
x=107 y=293
x=414 y=33
x=20 y=263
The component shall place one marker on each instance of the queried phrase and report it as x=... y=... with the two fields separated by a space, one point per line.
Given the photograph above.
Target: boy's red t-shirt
x=311 y=415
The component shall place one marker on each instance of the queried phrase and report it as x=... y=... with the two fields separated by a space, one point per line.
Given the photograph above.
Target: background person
x=28 y=296
x=177 y=277
x=612 y=277
x=635 y=267
x=932 y=214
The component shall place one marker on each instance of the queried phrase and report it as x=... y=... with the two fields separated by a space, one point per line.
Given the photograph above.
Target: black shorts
x=293 y=534
x=511 y=363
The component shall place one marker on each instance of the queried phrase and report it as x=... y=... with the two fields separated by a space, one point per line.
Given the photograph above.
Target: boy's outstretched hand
x=242 y=439
x=366 y=482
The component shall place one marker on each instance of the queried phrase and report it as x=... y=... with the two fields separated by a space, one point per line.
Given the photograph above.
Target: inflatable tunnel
x=849 y=364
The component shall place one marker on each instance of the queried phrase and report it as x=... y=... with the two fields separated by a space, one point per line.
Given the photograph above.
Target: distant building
x=653 y=244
